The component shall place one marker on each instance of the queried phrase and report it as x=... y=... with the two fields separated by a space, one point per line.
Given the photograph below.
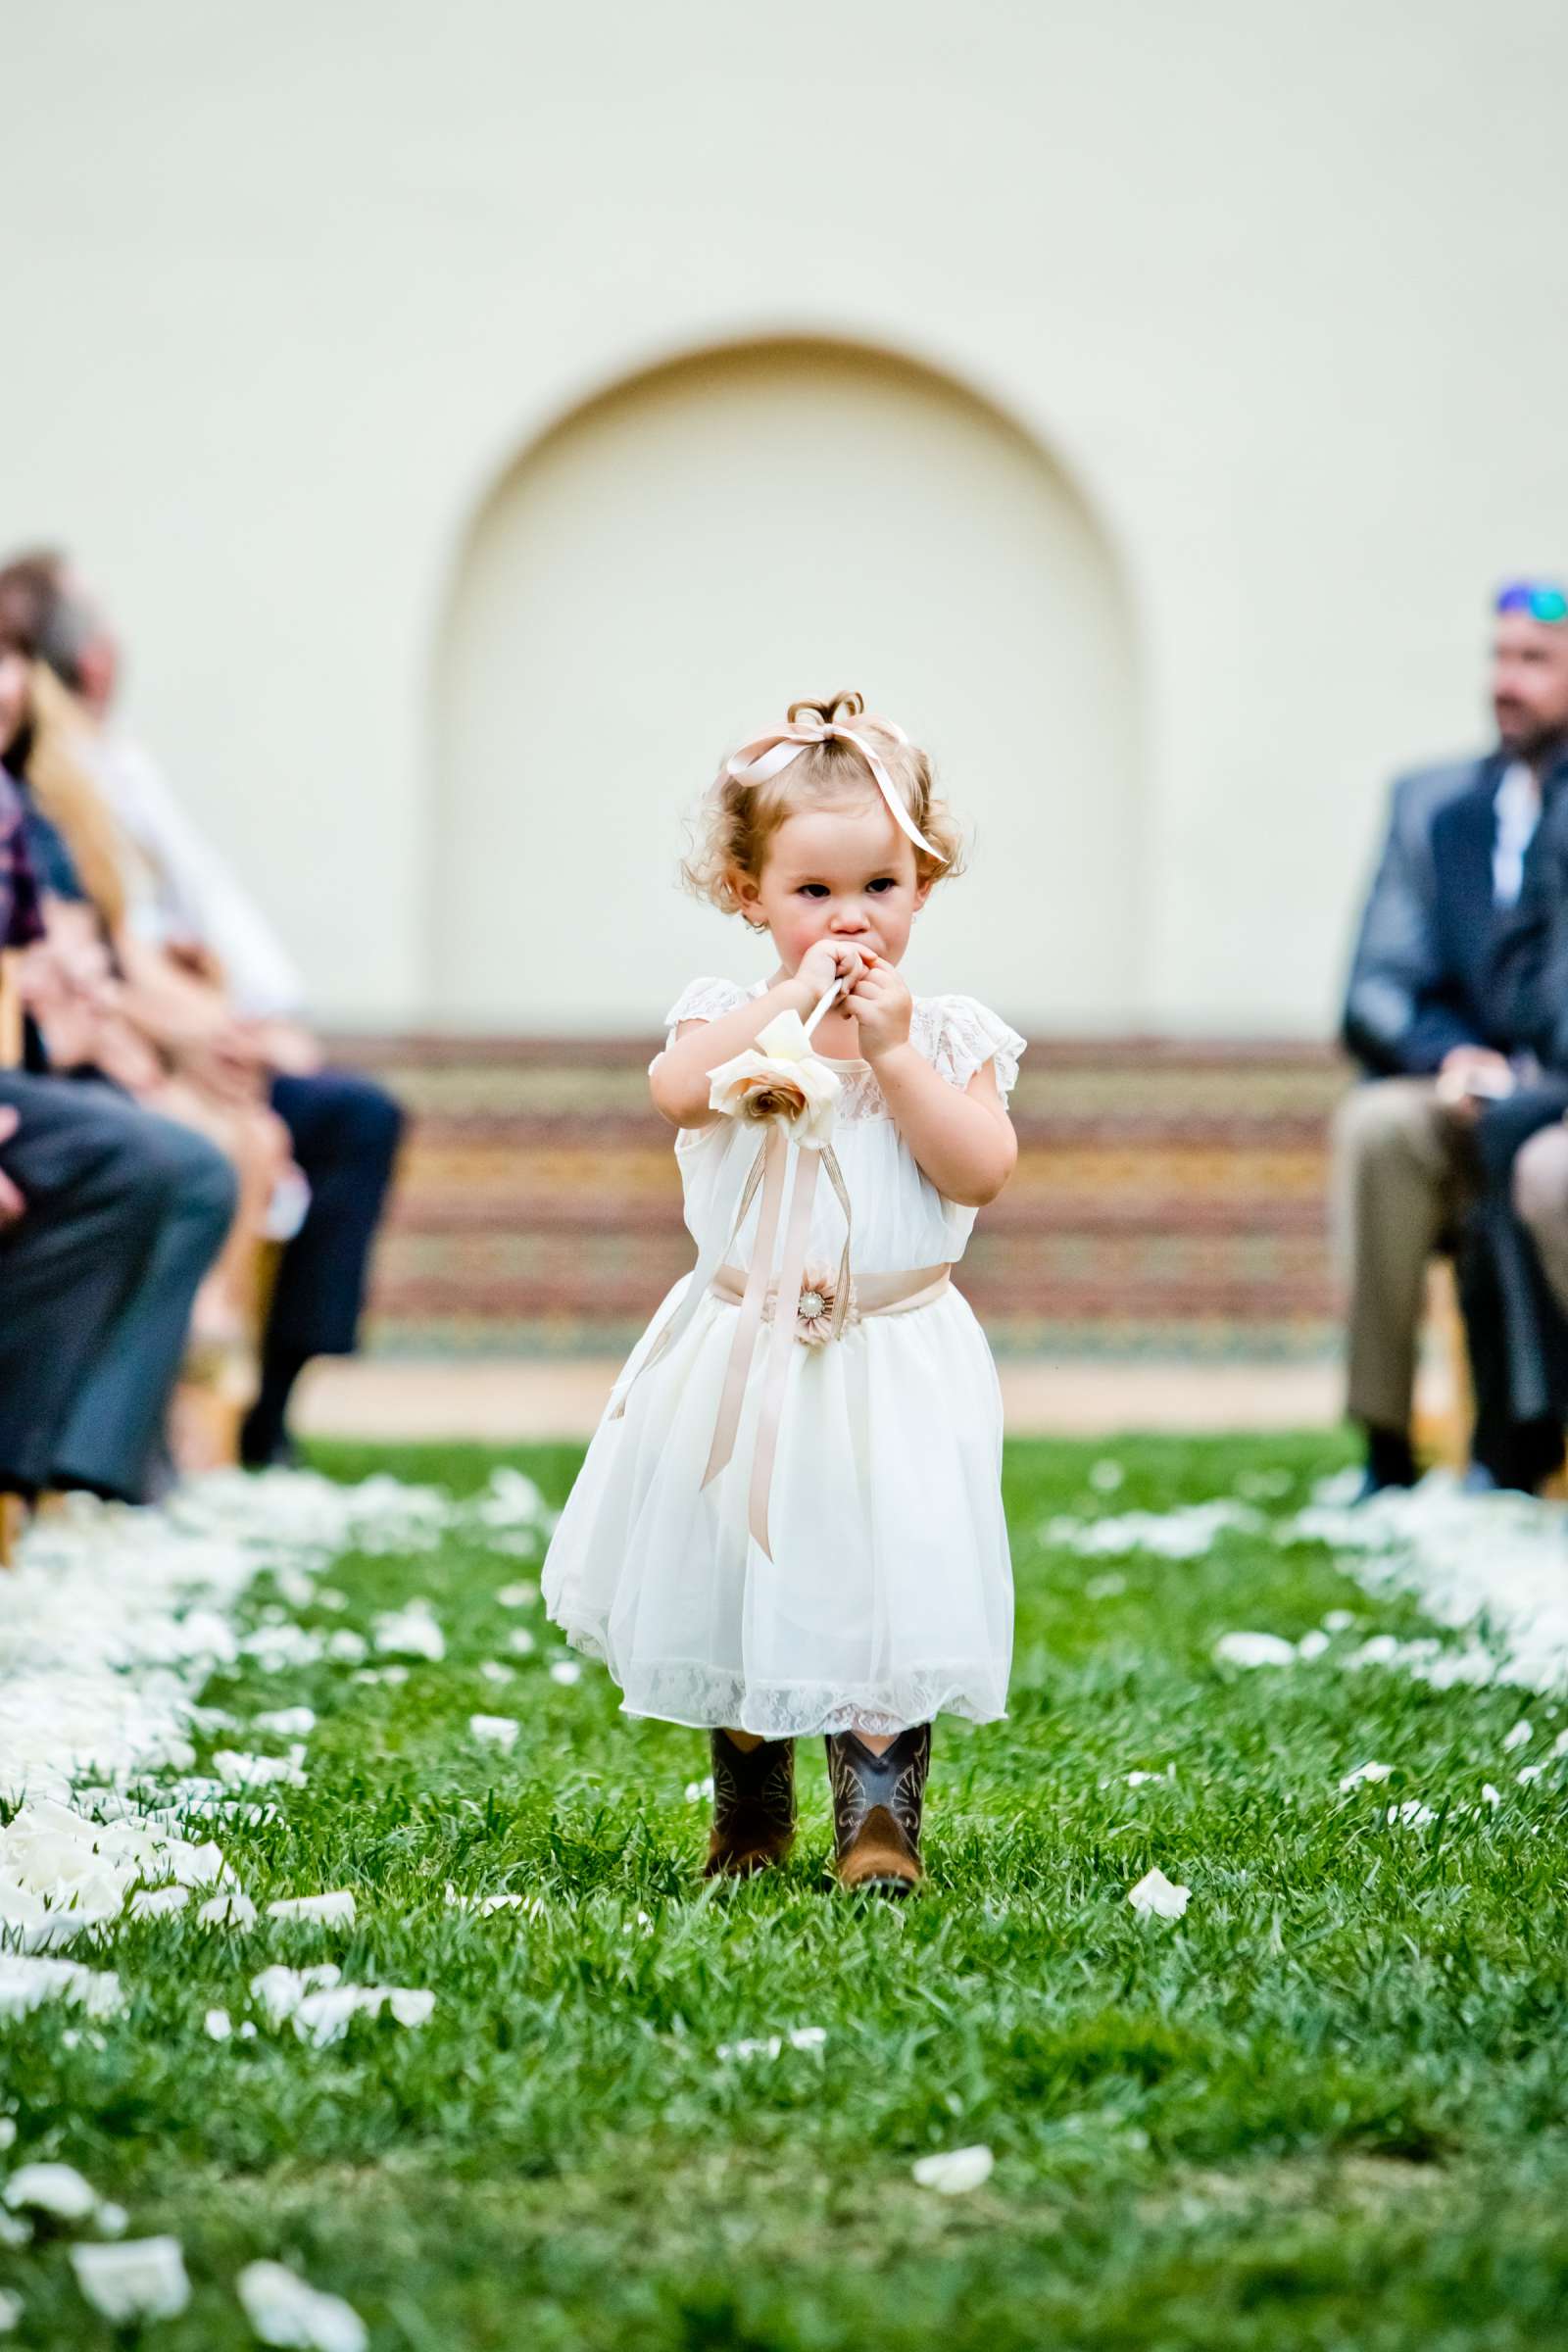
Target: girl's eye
x=883 y=882
x=813 y=889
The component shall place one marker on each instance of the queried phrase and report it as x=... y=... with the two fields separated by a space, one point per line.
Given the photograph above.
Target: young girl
x=823 y=1552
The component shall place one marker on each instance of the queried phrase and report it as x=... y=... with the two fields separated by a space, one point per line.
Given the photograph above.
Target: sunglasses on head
x=1542 y=600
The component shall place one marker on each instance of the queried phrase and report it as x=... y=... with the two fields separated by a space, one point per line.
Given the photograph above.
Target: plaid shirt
x=21 y=916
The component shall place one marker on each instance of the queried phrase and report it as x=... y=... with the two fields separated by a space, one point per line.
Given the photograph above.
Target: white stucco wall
x=1279 y=290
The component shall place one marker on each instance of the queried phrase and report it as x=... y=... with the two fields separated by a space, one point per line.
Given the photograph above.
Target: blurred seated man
x=345 y=1129
x=1441 y=1039
x=109 y=1219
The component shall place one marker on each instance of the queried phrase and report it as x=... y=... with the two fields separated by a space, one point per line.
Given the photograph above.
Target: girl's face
x=837 y=873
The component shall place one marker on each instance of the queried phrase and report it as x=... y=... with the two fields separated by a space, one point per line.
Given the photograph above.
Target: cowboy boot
x=876 y=1809
x=754 y=1806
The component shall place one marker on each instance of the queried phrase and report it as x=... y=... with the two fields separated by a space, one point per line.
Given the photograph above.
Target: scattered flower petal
x=522 y=1643
x=142 y=2278
x=219 y=2024
x=1155 y=1896
x=1520 y=1737
x=54 y=2188
x=287 y=1723
x=232 y=1910
x=333 y=1910
x=157 y=1902
x=955 y=2172
x=410 y=1631
x=521 y=1596
x=284 y=2310
x=1254 y=1649
x=496 y=1730
x=1365 y=1772
x=566 y=1670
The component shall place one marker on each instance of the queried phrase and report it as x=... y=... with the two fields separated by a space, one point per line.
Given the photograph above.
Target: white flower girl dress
x=884 y=1595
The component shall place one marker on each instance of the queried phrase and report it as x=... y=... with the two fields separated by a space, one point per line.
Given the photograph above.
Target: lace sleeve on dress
x=706 y=1000
x=966 y=1037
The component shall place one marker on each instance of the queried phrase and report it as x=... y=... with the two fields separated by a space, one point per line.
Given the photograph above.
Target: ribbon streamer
x=760 y=762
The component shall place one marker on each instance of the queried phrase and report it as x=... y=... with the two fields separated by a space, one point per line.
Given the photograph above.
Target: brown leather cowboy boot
x=876 y=1809
x=754 y=1806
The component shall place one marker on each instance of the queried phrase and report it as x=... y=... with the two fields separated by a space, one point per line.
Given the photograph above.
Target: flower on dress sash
x=779 y=1082
x=814 y=1316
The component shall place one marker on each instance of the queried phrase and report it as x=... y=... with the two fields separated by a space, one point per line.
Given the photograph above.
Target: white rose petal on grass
x=112 y=2221
x=955 y=2173
x=496 y=1730
x=11 y=2309
x=143 y=2279
x=1529 y=1773
x=494 y=1671
x=25 y=1982
x=288 y=1723
x=348 y=1648
x=522 y=1643
x=157 y=1902
x=698 y=1791
x=218 y=2025
x=1105 y=1588
x=1106 y=1476
x=54 y=2188
x=410 y=1633
x=1411 y=1815
x=1365 y=1772
x=8 y=2132
x=334 y=1910
x=517 y=1597
x=233 y=1910
x=1491 y=1795
x=1340 y=1621
x=1313 y=1645
x=566 y=1670
x=283 y=2310
x=1141 y=1780
x=1254 y=1649
x=1154 y=1898
x=1520 y=1737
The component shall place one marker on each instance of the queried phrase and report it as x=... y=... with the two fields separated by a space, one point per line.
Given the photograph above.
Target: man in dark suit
x=1430 y=1016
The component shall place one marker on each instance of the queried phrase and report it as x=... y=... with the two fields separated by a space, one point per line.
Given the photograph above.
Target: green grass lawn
x=1327 y=2108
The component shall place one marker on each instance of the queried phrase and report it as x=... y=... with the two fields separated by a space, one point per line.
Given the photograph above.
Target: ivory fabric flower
x=779 y=1082
x=813 y=1314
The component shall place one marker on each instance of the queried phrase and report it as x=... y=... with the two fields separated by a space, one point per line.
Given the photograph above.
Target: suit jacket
x=1421 y=977
x=1529 y=976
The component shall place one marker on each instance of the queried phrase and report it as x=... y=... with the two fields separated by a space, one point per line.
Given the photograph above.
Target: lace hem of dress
x=703 y=1697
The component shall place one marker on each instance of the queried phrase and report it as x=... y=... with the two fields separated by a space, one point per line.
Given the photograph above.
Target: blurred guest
x=344 y=1128
x=109 y=1005
x=1439 y=1034
x=109 y=1218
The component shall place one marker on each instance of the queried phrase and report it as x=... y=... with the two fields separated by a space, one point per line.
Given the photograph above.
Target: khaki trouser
x=1541 y=1199
x=1402 y=1170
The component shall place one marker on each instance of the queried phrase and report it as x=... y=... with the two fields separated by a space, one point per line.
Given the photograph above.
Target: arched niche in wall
x=677 y=562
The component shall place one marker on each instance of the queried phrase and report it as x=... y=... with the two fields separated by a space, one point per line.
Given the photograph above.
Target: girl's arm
x=678 y=1079
x=964 y=1142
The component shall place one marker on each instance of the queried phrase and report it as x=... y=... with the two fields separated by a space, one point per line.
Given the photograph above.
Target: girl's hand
x=881 y=1006
x=829 y=961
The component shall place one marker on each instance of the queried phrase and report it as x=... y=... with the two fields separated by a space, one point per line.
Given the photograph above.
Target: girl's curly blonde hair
x=738 y=818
